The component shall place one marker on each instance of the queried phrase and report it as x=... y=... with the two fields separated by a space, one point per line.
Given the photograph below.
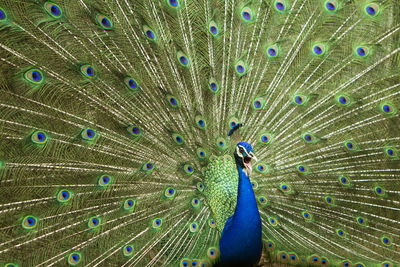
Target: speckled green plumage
x=221 y=184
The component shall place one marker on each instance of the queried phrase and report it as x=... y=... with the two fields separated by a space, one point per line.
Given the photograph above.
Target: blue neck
x=240 y=242
x=246 y=202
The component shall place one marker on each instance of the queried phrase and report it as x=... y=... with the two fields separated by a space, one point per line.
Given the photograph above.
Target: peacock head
x=243 y=155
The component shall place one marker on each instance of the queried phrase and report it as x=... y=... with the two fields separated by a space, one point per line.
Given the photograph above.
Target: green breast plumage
x=221 y=185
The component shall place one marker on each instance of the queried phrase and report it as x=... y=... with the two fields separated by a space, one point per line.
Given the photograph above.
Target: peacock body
x=113 y=132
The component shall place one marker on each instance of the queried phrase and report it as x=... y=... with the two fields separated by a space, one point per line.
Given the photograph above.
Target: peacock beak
x=247 y=162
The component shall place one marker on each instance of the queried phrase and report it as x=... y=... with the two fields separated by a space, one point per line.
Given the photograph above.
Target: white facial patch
x=246 y=163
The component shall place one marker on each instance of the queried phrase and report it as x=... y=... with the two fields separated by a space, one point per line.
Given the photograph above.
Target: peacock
x=200 y=133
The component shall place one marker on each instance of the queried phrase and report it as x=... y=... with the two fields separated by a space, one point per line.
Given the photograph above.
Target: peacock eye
x=241 y=150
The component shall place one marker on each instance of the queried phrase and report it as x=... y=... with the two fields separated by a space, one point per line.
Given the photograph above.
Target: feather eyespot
x=307 y=216
x=201 y=153
x=329 y=200
x=185 y=263
x=233 y=121
x=128 y=250
x=29 y=222
x=272 y=221
x=362 y=51
x=344 y=180
x=265 y=138
x=263 y=200
x=200 y=187
x=211 y=223
x=149 y=33
x=213 y=253
x=74 y=258
x=391 y=152
x=362 y=221
x=254 y=184
x=380 y=191
x=173 y=101
x=196 y=263
x=331 y=5
x=283 y=257
x=346 y=263
x=188 y=169
x=64 y=196
x=324 y=262
x=386 y=240
x=183 y=59
x=104 y=22
x=34 y=76
x=315 y=260
x=372 y=10
x=272 y=51
x=240 y=68
x=200 y=122
x=388 y=109
x=221 y=143
x=195 y=203
x=387 y=264
x=3 y=15
x=247 y=14
x=88 y=134
x=53 y=10
x=270 y=245
x=94 y=222
x=134 y=131
x=39 y=138
x=280 y=6
x=350 y=146
x=193 y=227
x=285 y=188
x=131 y=84
x=173 y=3
x=88 y=71
x=157 y=223
x=129 y=204
x=258 y=104
x=309 y=138
x=300 y=100
x=213 y=28
x=341 y=233
x=343 y=100
x=148 y=167
x=104 y=181
x=213 y=86
x=178 y=139
x=319 y=49
x=303 y=169
x=262 y=168
x=170 y=192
